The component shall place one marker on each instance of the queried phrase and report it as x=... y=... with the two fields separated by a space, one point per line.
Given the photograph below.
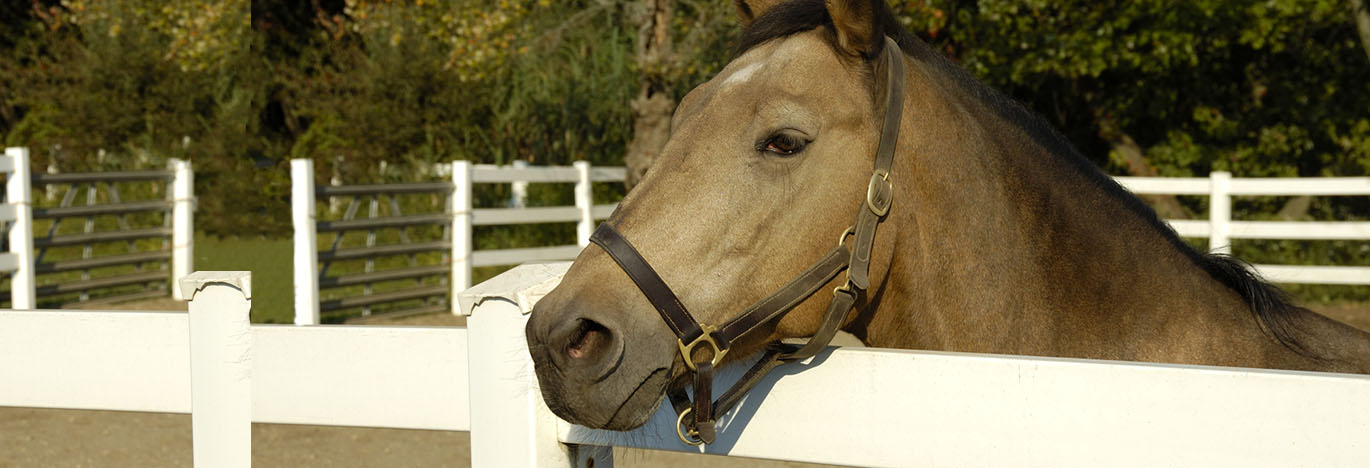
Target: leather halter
x=703 y=346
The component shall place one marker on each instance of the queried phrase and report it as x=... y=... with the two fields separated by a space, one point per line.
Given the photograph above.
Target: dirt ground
x=74 y=438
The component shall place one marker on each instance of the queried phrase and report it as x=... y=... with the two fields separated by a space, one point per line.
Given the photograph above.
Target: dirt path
x=55 y=438
x=42 y=438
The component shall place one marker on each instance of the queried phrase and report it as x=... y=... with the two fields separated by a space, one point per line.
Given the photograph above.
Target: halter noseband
x=702 y=346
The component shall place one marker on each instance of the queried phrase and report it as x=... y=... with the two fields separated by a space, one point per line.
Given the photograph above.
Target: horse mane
x=1270 y=306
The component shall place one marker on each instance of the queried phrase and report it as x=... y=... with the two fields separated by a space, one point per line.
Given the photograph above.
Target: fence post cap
x=194 y=282
x=522 y=285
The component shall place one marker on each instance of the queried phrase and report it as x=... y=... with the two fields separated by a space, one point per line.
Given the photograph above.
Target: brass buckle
x=707 y=338
x=691 y=437
x=879 y=193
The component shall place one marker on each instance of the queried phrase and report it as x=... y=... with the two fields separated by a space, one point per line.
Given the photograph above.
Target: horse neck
x=1006 y=246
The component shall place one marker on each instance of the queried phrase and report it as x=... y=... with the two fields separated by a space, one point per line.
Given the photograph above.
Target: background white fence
x=1220 y=228
x=463 y=217
x=849 y=405
x=583 y=213
x=17 y=213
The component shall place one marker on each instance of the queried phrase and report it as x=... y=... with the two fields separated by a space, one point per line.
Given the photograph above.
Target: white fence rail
x=848 y=405
x=1220 y=228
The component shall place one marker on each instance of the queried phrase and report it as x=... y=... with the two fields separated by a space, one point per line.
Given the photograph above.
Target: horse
x=1000 y=238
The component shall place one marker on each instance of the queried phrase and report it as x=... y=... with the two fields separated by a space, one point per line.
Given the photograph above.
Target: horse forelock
x=783 y=20
x=798 y=16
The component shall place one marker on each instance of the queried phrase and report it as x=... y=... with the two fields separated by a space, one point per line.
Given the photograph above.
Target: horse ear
x=857 y=25
x=749 y=10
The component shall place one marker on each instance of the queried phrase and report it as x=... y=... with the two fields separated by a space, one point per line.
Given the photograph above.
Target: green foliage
x=1261 y=89
x=1273 y=88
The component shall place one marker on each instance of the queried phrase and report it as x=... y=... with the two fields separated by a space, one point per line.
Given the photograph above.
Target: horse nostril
x=589 y=342
x=586 y=349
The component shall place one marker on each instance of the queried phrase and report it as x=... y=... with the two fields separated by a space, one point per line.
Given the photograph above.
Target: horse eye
x=783 y=144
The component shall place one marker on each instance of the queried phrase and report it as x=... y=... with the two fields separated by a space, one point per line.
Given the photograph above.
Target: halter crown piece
x=703 y=346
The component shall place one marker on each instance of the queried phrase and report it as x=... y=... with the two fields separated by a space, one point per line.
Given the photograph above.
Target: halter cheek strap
x=702 y=347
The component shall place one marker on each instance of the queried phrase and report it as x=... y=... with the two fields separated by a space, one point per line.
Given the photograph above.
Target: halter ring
x=691 y=437
x=843 y=238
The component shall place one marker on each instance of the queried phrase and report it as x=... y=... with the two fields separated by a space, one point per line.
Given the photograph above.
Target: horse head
x=766 y=165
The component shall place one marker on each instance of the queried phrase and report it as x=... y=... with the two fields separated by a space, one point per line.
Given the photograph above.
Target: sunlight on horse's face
x=764 y=168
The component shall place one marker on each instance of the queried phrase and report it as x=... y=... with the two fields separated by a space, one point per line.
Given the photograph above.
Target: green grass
x=269 y=260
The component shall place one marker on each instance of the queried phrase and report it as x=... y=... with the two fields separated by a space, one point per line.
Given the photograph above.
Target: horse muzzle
x=592 y=369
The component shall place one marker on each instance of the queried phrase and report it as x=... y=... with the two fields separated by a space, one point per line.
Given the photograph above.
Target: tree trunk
x=654 y=103
x=1296 y=209
x=1360 y=9
x=1165 y=205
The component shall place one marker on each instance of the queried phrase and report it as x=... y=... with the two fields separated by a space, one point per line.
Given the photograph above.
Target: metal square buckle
x=707 y=338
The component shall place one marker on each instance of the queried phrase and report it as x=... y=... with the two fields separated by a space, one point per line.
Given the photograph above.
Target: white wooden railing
x=584 y=213
x=464 y=217
x=227 y=373
x=16 y=214
x=853 y=406
x=1220 y=228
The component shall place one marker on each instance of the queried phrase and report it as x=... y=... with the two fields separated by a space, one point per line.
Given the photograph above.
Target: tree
x=654 y=104
x=1274 y=88
x=1260 y=89
x=1360 y=10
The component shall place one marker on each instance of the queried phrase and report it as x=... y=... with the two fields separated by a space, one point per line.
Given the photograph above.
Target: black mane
x=1269 y=305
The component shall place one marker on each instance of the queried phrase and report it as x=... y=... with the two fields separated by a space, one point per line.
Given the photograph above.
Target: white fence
x=1220 y=229
x=852 y=406
x=583 y=213
x=464 y=218
x=17 y=213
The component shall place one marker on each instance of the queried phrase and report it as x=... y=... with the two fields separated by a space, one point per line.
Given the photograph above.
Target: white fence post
x=18 y=190
x=306 y=245
x=519 y=188
x=585 y=202
x=461 y=229
x=335 y=204
x=220 y=367
x=510 y=425
x=182 y=225
x=51 y=189
x=1220 y=212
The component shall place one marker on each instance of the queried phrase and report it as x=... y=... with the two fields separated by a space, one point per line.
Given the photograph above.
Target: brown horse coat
x=1001 y=238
